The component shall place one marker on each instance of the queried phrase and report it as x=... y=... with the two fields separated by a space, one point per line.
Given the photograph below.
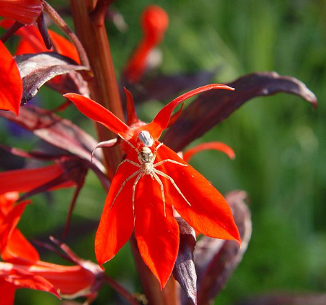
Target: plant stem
x=103 y=87
x=152 y=290
x=66 y=29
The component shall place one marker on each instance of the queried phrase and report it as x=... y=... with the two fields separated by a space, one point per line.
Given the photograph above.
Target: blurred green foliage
x=279 y=141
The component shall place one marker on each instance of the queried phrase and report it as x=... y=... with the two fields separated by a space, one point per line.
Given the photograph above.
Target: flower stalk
x=103 y=86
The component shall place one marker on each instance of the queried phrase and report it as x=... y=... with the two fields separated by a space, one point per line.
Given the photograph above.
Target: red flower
x=154 y=22
x=32 y=42
x=24 y=269
x=23 y=11
x=11 y=85
x=149 y=185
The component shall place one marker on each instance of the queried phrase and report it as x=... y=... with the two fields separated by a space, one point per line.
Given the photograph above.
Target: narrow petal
x=117 y=222
x=209 y=212
x=70 y=281
x=162 y=119
x=24 y=180
x=11 y=86
x=24 y=11
x=100 y=114
x=157 y=234
x=32 y=282
x=18 y=248
x=9 y=222
x=154 y=24
x=187 y=155
x=132 y=117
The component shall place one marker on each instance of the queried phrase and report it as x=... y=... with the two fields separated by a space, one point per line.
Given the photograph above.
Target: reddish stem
x=103 y=87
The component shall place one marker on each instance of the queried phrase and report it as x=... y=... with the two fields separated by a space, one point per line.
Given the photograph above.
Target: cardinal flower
x=154 y=23
x=150 y=184
x=22 y=267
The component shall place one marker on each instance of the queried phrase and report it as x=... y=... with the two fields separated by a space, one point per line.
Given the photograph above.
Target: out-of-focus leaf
x=286 y=299
x=216 y=259
x=184 y=269
x=56 y=131
x=37 y=69
x=163 y=87
x=212 y=107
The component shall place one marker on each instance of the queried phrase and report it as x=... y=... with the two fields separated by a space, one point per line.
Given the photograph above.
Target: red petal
x=132 y=117
x=32 y=282
x=157 y=235
x=24 y=180
x=117 y=222
x=18 y=248
x=162 y=119
x=154 y=23
x=11 y=87
x=9 y=222
x=7 y=292
x=70 y=281
x=64 y=46
x=24 y=11
x=209 y=212
x=187 y=155
x=100 y=114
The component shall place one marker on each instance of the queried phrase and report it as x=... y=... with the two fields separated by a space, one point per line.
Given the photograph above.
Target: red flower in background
x=23 y=11
x=149 y=185
x=31 y=41
x=11 y=85
x=154 y=23
x=24 y=269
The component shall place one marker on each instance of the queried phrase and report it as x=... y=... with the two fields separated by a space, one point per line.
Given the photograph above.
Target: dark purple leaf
x=212 y=107
x=286 y=299
x=184 y=269
x=57 y=131
x=37 y=69
x=163 y=87
x=216 y=259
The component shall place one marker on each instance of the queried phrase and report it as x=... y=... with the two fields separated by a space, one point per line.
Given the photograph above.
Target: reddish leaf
x=184 y=269
x=10 y=82
x=56 y=131
x=212 y=107
x=216 y=259
x=37 y=69
x=164 y=87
